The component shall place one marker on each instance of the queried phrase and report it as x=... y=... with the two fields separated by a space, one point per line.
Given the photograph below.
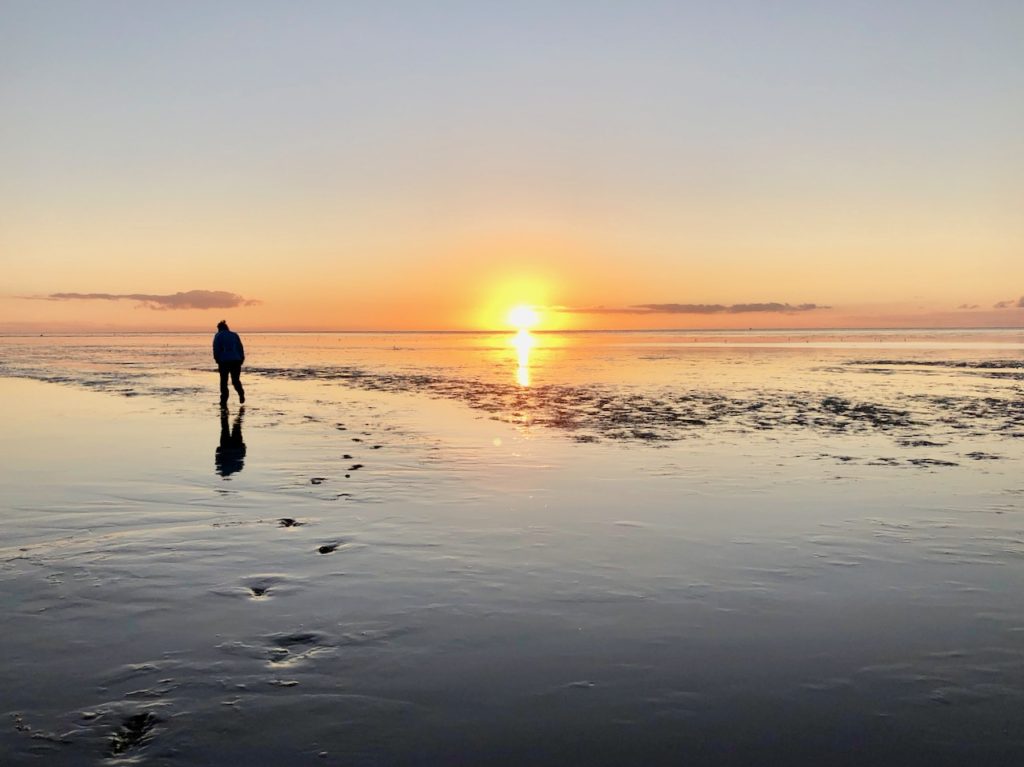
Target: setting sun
x=523 y=317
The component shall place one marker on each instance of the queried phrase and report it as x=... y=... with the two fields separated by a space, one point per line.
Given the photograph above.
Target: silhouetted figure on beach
x=230 y=454
x=229 y=354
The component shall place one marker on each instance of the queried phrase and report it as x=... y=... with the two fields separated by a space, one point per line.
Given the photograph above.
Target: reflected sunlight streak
x=523 y=342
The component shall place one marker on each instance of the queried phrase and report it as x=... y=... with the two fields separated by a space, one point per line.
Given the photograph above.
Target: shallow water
x=618 y=549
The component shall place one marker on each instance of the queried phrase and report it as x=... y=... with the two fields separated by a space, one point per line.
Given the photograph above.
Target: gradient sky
x=356 y=165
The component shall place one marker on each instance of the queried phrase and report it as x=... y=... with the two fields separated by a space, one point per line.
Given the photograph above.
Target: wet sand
x=393 y=574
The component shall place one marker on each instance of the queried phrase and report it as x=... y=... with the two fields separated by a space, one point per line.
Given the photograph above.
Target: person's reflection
x=230 y=455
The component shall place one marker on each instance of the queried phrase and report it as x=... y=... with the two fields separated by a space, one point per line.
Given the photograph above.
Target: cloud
x=1011 y=304
x=770 y=307
x=190 y=299
x=968 y=306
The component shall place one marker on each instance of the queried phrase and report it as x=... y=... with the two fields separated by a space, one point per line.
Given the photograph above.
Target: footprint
x=355 y=467
x=317 y=480
x=134 y=731
x=289 y=649
x=298 y=638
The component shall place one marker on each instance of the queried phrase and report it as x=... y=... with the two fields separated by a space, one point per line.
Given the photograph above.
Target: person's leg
x=236 y=372
x=223 y=370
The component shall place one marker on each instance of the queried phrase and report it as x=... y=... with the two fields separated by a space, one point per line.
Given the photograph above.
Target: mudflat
x=650 y=549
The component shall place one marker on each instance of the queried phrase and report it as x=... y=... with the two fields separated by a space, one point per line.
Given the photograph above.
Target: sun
x=523 y=317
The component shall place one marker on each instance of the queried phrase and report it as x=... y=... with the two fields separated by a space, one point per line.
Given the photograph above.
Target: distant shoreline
x=507 y=331
x=704 y=332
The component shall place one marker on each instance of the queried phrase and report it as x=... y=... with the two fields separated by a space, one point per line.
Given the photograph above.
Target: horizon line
x=512 y=331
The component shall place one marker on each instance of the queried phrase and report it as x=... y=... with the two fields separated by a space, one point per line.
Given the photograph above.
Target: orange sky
x=343 y=169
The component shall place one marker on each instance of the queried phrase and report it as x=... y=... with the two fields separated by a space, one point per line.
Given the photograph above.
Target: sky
x=415 y=165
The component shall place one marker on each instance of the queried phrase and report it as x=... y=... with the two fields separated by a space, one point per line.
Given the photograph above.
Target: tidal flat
x=417 y=549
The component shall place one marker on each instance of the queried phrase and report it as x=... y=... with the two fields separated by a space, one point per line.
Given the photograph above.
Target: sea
x=669 y=547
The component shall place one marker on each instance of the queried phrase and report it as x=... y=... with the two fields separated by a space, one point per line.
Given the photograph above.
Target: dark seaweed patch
x=603 y=412
x=606 y=412
x=930 y=462
x=968 y=364
x=595 y=413
x=978 y=455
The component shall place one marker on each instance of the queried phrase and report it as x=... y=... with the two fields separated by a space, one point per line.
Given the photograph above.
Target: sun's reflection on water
x=523 y=342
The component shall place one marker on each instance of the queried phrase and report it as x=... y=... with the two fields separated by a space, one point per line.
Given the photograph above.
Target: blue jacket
x=227 y=347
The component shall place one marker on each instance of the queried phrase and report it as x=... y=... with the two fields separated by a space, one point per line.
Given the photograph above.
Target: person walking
x=229 y=354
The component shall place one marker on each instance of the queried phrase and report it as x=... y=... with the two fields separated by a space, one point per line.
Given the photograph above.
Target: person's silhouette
x=230 y=454
x=229 y=355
